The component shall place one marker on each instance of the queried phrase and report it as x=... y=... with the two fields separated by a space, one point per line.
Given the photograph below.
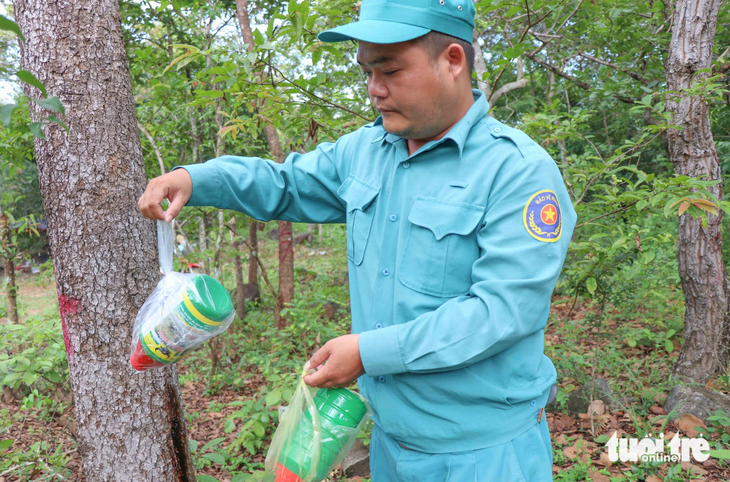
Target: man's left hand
x=343 y=363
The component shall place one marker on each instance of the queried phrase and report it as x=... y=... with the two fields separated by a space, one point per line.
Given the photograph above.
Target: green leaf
x=29 y=377
x=273 y=397
x=10 y=26
x=193 y=444
x=298 y=24
x=12 y=377
x=259 y=429
x=51 y=103
x=210 y=94
x=53 y=376
x=6 y=113
x=31 y=79
x=671 y=333
x=591 y=285
x=229 y=426
x=205 y=478
x=720 y=454
x=215 y=457
x=669 y=346
x=212 y=443
x=35 y=128
x=4 y=444
x=258 y=37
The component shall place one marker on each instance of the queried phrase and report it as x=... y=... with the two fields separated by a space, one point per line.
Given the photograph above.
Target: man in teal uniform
x=457 y=229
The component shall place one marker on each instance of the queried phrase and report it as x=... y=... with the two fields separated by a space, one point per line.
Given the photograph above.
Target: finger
x=320 y=356
x=319 y=379
x=176 y=205
x=149 y=203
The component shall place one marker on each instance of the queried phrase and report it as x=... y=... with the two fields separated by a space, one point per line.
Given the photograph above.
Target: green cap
x=392 y=21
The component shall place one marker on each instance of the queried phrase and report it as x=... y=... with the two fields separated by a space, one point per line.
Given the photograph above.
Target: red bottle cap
x=285 y=475
x=140 y=361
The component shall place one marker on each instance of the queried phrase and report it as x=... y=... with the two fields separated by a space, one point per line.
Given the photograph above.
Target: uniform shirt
x=453 y=254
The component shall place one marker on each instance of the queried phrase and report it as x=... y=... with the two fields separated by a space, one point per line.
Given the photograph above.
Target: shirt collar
x=458 y=133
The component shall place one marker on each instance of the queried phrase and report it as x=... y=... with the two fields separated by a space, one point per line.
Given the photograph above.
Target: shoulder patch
x=542 y=216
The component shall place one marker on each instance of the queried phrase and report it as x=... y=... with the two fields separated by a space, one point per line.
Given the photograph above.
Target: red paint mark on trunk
x=67 y=306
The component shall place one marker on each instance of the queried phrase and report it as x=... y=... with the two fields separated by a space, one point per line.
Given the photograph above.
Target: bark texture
x=130 y=425
x=692 y=151
x=286 y=250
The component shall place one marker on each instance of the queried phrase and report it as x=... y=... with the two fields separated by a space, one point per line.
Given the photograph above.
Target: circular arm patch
x=542 y=216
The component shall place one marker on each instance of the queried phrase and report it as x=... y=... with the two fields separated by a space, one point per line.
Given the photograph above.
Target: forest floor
x=627 y=347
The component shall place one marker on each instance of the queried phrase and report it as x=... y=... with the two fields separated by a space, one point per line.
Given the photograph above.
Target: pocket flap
x=357 y=194
x=442 y=217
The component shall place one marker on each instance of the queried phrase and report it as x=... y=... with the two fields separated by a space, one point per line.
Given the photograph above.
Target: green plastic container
x=339 y=409
x=204 y=305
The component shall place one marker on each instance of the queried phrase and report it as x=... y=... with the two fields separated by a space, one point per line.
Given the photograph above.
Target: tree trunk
x=286 y=252
x=692 y=151
x=240 y=293
x=131 y=425
x=11 y=291
x=253 y=267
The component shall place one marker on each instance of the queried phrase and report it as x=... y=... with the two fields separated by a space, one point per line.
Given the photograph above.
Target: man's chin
x=396 y=129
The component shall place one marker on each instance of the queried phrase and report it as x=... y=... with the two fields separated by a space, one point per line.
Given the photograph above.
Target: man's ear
x=456 y=58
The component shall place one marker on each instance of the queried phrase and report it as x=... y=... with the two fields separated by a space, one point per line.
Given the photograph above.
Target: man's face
x=407 y=87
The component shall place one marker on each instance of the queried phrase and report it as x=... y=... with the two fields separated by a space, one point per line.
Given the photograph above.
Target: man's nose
x=376 y=88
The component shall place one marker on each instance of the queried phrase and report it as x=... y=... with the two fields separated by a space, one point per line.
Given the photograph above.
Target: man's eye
x=389 y=73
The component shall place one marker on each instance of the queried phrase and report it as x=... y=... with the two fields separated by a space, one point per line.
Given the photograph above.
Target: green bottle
x=340 y=411
x=203 y=306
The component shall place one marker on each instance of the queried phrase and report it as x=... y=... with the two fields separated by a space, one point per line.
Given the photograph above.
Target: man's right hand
x=176 y=186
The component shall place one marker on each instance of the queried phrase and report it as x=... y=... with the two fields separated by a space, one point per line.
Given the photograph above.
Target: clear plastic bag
x=183 y=311
x=315 y=433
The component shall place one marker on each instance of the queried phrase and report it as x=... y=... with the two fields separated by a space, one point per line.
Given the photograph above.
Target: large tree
x=131 y=426
x=692 y=151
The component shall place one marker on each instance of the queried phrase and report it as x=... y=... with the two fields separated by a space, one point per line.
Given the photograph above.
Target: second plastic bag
x=183 y=311
x=316 y=432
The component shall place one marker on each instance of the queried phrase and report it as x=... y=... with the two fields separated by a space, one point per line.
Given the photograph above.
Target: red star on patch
x=549 y=214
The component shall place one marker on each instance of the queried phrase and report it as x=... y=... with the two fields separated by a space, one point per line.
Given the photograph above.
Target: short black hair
x=436 y=42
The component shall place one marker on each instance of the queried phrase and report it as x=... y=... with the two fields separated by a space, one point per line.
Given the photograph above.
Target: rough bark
x=286 y=252
x=11 y=291
x=131 y=425
x=692 y=151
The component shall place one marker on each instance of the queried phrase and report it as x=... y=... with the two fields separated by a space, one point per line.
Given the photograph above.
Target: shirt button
x=406 y=165
x=393 y=217
x=497 y=129
x=381 y=379
x=386 y=272
x=379 y=325
x=533 y=403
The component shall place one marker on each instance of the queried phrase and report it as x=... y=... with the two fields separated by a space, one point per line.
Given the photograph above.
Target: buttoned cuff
x=380 y=352
x=206 y=185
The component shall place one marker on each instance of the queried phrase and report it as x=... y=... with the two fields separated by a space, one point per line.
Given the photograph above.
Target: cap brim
x=374 y=31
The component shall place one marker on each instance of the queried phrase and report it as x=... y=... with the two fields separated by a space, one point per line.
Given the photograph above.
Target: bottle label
x=160 y=347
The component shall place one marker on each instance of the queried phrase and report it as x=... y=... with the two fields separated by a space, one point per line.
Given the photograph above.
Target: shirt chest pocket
x=440 y=247
x=359 y=197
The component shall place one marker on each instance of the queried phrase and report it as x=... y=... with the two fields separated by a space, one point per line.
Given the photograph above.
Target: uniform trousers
x=526 y=458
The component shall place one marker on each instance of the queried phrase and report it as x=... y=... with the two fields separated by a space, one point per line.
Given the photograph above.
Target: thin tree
x=131 y=426
x=692 y=151
x=286 y=251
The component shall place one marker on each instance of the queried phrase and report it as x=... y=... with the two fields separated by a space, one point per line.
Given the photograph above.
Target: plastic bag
x=316 y=432
x=183 y=311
